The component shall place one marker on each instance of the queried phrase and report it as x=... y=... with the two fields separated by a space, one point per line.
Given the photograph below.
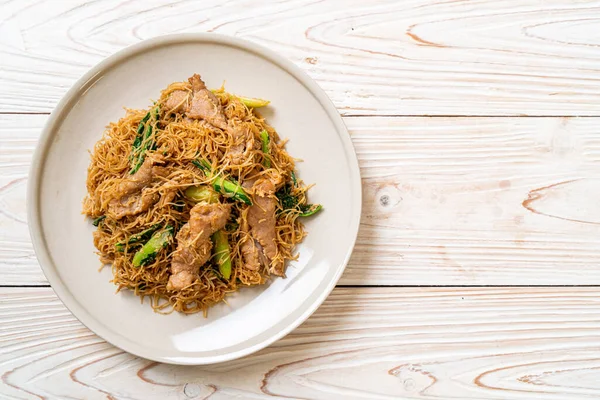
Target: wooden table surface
x=476 y=273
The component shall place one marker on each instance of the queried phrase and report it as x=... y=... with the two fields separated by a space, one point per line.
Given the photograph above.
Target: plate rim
x=64 y=107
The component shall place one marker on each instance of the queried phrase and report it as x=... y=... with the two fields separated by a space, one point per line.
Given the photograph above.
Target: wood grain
x=420 y=57
x=478 y=201
x=368 y=343
x=447 y=201
x=18 y=137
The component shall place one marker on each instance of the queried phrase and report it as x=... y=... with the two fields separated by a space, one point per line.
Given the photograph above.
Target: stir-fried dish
x=194 y=198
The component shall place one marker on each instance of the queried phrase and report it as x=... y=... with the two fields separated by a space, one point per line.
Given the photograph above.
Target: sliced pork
x=205 y=105
x=249 y=248
x=243 y=143
x=201 y=103
x=132 y=195
x=193 y=243
x=261 y=219
x=178 y=101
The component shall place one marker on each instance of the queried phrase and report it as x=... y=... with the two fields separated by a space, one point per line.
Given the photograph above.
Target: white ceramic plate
x=253 y=318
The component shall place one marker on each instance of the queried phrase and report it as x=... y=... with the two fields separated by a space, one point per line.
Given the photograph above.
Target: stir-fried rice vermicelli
x=194 y=198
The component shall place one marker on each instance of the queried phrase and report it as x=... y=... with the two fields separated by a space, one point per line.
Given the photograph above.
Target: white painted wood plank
x=447 y=201
x=384 y=57
x=478 y=201
x=18 y=137
x=368 y=343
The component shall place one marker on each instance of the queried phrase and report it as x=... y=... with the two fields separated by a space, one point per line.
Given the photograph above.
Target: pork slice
x=249 y=248
x=205 y=105
x=243 y=143
x=131 y=196
x=261 y=218
x=193 y=243
x=178 y=101
x=197 y=83
x=132 y=204
x=187 y=259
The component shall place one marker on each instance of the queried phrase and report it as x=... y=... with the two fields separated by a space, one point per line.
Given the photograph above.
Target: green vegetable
x=310 y=209
x=97 y=221
x=222 y=253
x=253 y=102
x=142 y=124
x=144 y=140
x=294 y=180
x=202 y=193
x=203 y=165
x=288 y=201
x=264 y=137
x=227 y=187
x=138 y=237
x=150 y=250
x=137 y=142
